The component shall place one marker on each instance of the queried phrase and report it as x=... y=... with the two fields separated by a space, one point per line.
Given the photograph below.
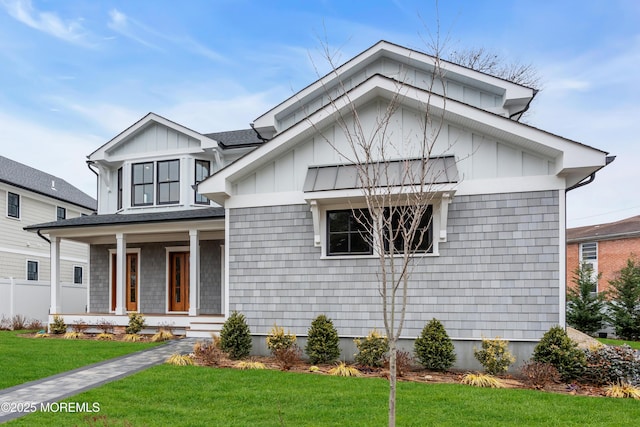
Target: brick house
x=605 y=246
x=270 y=232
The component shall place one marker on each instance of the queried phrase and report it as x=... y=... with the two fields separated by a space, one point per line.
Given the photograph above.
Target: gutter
x=592 y=177
x=526 y=107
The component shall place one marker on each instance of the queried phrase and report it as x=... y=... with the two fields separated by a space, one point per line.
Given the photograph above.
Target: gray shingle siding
x=497 y=275
x=153 y=281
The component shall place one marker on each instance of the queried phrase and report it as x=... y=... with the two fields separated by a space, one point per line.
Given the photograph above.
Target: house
x=27 y=196
x=606 y=247
x=265 y=233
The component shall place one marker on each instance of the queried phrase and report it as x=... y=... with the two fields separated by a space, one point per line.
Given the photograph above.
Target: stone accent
x=497 y=275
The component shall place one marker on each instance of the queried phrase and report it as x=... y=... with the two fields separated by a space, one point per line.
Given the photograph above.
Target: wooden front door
x=131 y=282
x=179 y=281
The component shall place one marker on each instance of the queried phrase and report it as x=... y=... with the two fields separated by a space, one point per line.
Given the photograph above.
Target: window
x=589 y=256
x=202 y=171
x=142 y=184
x=169 y=181
x=422 y=238
x=32 y=270
x=13 y=205
x=77 y=275
x=347 y=234
x=61 y=213
x=120 y=188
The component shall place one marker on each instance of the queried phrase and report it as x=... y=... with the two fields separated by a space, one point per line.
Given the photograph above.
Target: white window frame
x=592 y=262
x=19 y=217
x=58 y=209
x=37 y=263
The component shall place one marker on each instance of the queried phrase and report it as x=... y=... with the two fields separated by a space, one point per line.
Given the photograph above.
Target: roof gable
x=152 y=133
x=28 y=178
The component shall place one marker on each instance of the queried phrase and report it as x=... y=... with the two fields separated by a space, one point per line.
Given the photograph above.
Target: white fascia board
x=102 y=153
x=511 y=92
x=500 y=127
x=519 y=184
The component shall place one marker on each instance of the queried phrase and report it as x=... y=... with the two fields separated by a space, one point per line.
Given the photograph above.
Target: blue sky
x=73 y=74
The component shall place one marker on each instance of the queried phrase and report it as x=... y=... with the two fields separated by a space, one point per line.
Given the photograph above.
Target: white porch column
x=121 y=273
x=194 y=273
x=56 y=287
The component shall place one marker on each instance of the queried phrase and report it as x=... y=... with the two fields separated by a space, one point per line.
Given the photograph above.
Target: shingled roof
x=625 y=228
x=28 y=178
x=236 y=138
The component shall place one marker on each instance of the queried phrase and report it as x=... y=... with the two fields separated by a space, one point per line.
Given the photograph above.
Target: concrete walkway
x=22 y=399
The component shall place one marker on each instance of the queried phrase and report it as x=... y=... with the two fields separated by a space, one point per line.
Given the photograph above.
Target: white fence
x=32 y=298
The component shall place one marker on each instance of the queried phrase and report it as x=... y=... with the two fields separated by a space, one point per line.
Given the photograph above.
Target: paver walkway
x=55 y=388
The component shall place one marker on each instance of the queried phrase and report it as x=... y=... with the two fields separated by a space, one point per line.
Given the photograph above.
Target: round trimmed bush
x=559 y=350
x=235 y=336
x=322 y=341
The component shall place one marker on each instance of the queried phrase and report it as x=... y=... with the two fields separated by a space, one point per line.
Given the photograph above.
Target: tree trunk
x=392 y=382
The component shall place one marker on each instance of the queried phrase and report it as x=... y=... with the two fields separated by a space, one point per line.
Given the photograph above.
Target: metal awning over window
x=396 y=173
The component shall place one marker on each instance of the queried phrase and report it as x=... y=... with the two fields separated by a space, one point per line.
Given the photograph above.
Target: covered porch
x=168 y=266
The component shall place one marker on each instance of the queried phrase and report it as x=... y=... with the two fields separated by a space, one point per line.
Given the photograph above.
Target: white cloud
x=48 y=22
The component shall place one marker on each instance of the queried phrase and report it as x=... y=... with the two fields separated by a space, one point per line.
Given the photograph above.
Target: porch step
x=203 y=329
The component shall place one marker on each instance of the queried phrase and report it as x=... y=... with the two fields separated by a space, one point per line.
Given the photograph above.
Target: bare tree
x=490 y=62
x=397 y=177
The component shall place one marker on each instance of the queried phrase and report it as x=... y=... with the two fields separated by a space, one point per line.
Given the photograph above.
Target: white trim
x=562 y=264
x=512 y=184
x=226 y=284
x=136 y=251
x=266 y=199
x=168 y=251
x=41 y=255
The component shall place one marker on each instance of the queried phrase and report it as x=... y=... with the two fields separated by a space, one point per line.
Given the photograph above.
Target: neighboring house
x=494 y=265
x=27 y=196
x=606 y=247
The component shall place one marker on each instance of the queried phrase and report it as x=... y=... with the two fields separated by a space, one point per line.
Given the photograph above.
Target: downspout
x=592 y=177
x=535 y=92
x=89 y=164
x=39 y=232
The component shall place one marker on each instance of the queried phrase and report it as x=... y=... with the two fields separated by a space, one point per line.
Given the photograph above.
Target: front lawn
x=27 y=359
x=633 y=344
x=192 y=395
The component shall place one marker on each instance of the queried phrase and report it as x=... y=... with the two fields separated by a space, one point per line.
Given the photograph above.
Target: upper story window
x=32 y=270
x=400 y=221
x=203 y=170
x=120 y=188
x=348 y=233
x=169 y=181
x=61 y=213
x=13 y=205
x=142 y=184
x=589 y=251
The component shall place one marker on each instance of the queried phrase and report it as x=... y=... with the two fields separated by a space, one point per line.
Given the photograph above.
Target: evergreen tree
x=322 y=341
x=584 y=304
x=235 y=336
x=434 y=348
x=624 y=305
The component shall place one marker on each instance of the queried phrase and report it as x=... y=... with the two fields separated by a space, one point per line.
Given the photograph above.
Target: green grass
x=194 y=396
x=27 y=359
x=608 y=341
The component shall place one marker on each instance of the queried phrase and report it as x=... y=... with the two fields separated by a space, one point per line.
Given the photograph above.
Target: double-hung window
x=348 y=232
x=32 y=270
x=13 y=205
x=142 y=184
x=169 y=181
x=61 y=213
x=203 y=169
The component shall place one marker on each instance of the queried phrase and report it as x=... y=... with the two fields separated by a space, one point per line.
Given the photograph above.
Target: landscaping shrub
x=136 y=323
x=79 y=326
x=584 y=306
x=434 y=348
x=34 y=325
x=105 y=326
x=624 y=304
x=611 y=364
x=5 y=323
x=481 y=380
x=539 y=374
x=209 y=353
x=322 y=342
x=558 y=349
x=286 y=357
x=371 y=350
x=404 y=360
x=494 y=355
x=58 y=326
x=19 y=322
x=278 y=339
x=235 y=336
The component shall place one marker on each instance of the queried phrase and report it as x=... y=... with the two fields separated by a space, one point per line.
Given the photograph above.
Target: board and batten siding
x=478 y=156
x=409 y=75
x=497 y=275
x=17 y=246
